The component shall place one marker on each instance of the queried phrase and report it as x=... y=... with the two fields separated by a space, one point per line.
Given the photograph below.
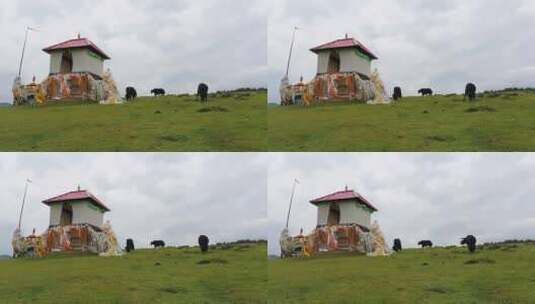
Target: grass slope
x=168 y=123
x=502 y=275
x=234 y=275
x=440 y=123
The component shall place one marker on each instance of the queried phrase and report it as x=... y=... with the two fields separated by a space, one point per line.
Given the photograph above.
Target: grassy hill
x=497 y=122
x=496 y=274
x=171 y=123
x=233 y=275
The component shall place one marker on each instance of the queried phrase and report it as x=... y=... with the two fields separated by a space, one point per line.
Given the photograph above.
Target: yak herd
x=470 y=242
x=202 y=92
x=469 y=92
x=204 y=243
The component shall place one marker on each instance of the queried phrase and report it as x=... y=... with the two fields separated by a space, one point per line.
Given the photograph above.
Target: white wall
x=84 y=212
x=82 y=61
x=55 y=214
x=351 y=212
x=323 y=214
x=55 y=62
x=349 y=62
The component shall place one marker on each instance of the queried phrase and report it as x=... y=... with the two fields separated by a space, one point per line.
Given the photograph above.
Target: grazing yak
x=470 y=92
x=203 y=243
x=157 y=244
x=425 y=92
x=202 y=92
x=425 y=244
x=158 y=92
x=470 y=241
x=397 y=245
x=129 y=245
x=131 y=93
x=397 y=93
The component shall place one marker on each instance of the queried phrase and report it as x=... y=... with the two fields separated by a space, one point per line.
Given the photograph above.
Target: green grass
x=439 y=123
x=504 y=275
x=168 y=123
x=234 y=275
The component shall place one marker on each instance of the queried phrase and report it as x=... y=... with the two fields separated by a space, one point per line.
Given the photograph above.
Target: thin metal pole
x=291 y=202
x=291 y=51
x=23 y=202
x=23 y=51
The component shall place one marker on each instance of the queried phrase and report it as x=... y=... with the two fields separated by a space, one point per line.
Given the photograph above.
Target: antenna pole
x=291 y=51
x=291 y=202
x=23 y=202
x=23 y=51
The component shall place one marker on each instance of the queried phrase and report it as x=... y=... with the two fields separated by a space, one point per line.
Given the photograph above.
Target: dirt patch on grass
x=173 y=290
x=440 y=138
x=438 y=289
x=174 y=138
x=480 y=109
x=212 y=261
x=480 y=261
x=212 y=109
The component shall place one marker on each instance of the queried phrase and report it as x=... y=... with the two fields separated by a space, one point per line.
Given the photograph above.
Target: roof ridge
x=82 y=42
x=85 y=193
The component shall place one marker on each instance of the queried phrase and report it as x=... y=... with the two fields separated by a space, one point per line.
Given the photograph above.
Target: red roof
x=344 y=43
x=76 y=43
x=343 y=196
x=75 y=196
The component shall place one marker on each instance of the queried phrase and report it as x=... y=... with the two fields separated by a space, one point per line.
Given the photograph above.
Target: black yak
x=397 y=245
x=129 y=245
x=157 y=244
x=397 y=93
x=158 y=92
x=470 y=241
x=203 y=243
x=425 y=92
x=131 y=93
x=470 y=92
x=425 y=244
x=202 y=92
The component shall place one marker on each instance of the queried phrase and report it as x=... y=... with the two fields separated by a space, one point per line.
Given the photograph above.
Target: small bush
x=212 y=261
x=173 y=290
x=174 y=138
x=480 y=261
x=437 y=289
x=212 y=109
x=441 y=138
x=480 y=109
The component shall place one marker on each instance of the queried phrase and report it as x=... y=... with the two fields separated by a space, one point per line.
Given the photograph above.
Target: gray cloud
x=439 y=44
x=175 y=197
x=170 y=44
x=441 y=197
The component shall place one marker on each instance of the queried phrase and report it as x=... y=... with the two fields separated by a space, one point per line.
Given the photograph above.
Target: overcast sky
x=173 y=197
x=437 y=44
x=440 y=197
x=170 y=44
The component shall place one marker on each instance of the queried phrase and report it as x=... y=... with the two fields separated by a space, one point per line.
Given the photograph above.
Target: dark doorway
x=334 y=215
x=66 y=215
x=334 y=63
x=66 y=62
